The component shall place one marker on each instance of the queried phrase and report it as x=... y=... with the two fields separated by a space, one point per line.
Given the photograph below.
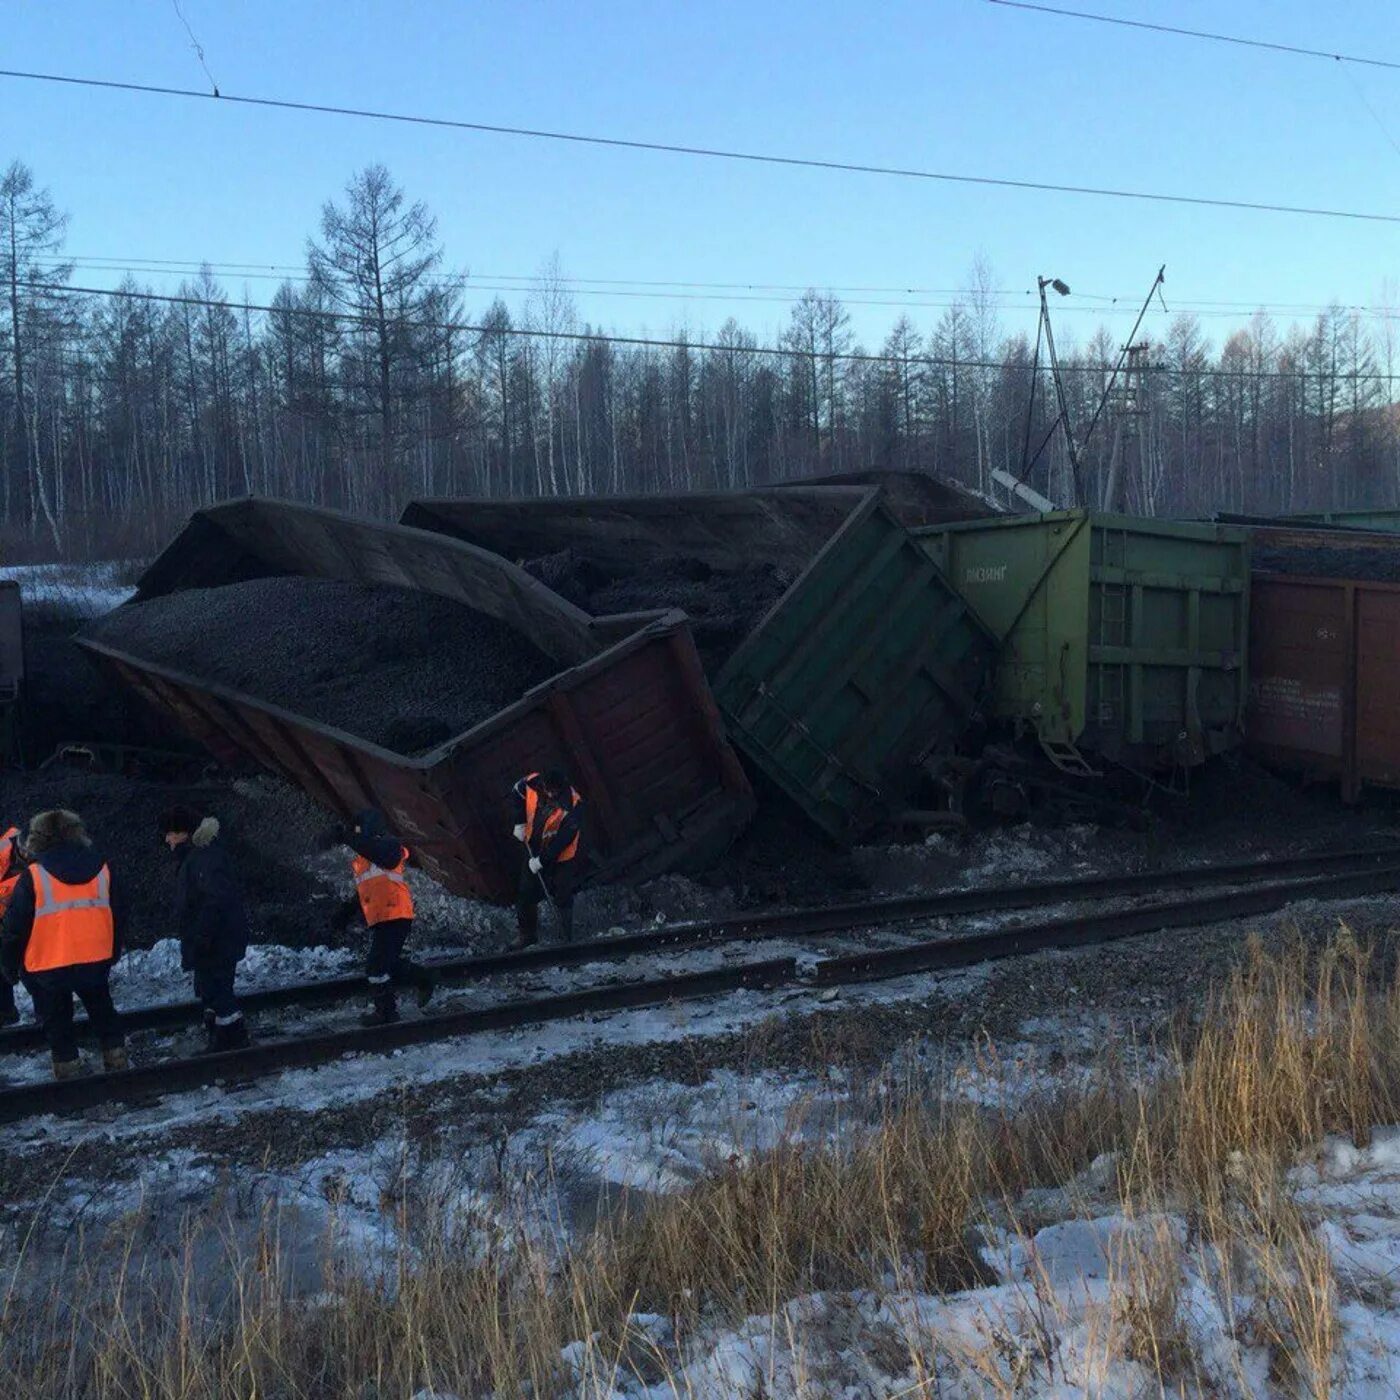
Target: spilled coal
x=724 y=607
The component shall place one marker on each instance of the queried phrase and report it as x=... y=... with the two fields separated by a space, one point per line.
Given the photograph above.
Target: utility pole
x=1129 y=410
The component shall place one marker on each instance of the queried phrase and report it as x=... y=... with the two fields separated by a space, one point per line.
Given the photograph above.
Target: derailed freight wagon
x=865 y=664
x=1324 y=649
x=1121 y=638
x=629 y=714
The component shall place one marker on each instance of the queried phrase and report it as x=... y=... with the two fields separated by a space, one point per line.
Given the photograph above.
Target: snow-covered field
x=86 y=589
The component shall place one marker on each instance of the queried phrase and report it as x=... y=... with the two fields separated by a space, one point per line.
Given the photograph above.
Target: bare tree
x=31 y=234
x=374 y=263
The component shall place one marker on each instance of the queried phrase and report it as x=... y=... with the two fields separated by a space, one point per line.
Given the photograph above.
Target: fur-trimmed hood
x=206 y=833
x=59 y=827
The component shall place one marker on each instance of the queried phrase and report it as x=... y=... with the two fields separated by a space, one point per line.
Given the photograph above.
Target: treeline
x=370 y=380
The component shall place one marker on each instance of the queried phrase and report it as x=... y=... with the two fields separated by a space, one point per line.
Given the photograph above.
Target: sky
x=961 y=86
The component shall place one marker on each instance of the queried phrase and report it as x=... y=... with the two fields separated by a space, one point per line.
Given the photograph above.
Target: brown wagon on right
x=1325 y=655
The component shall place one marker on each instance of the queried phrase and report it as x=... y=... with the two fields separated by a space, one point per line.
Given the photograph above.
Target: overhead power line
x=1233 y=310
x=706 y=152
x=1239 y=40
x=649 y=343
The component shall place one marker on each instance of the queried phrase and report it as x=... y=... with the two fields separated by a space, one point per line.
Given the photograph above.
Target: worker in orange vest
x=11 y=869
x=61 y=934
x=550 y=827
x=379 y=865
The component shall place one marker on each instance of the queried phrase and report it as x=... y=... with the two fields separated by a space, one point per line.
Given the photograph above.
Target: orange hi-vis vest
x=9 y=875
x=72 y=923
x=384 y=894
x=552 y=821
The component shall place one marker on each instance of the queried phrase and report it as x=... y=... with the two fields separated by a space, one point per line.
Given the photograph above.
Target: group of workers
x=64 y=919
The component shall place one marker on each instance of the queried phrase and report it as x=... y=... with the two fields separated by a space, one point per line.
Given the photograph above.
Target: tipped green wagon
x=1122 y=639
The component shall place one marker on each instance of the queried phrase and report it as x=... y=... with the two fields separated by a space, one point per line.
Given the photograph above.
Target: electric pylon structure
x=1128 y=404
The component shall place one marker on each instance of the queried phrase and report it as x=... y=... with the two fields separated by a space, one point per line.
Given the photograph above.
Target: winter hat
x=55 y=828
x=179 y=819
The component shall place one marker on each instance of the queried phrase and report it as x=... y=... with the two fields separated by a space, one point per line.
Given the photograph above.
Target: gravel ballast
x=402 y=669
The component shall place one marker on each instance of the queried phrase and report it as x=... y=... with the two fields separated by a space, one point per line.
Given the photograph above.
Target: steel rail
x=934 y=955
x=271 y=1057
x=759 y=925
x=1086 y=929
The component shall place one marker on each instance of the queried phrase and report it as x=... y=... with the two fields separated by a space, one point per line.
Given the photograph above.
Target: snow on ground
x=1063 y=1314
x=86 y=589
x=1055 y=1318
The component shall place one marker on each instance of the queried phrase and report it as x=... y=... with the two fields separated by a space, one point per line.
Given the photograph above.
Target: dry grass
x=1290 y=1049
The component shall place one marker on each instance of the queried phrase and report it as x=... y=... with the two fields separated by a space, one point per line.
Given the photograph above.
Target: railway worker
x=384 y=899
x=64 y=929
x=11 y=868
x=211 y=920
x=550 y=829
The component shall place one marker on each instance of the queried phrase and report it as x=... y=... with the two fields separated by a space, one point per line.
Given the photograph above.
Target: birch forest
x=378 y=375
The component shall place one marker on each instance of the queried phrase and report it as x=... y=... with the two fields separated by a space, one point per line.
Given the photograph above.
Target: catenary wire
x=705 y=152
x=1240 y=41
x=644 y=342
x=1105 y=305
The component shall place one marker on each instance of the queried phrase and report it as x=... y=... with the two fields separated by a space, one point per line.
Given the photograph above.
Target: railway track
x=1369 y=873
x=769 y=924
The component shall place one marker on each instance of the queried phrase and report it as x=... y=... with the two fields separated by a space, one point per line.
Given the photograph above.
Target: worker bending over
x=383 y=897
x=211 y=921
x=11 y=868
x=550 y=828
x=62 y=932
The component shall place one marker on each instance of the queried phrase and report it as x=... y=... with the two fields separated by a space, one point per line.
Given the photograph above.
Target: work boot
x=67 y=1069
x=9 y=1015
x=114 y=1057
x=233 y=1036
x=383 y=1009
x=528 y=922
x=210 y=1035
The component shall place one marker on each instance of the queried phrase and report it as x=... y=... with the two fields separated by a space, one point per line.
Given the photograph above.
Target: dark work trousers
x=8 y=1010
x=386 y=965
x=213 y=985
x=53 y=994
x=561 y=882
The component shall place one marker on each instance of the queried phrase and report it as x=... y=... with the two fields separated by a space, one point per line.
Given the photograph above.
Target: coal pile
x=402 y=669
x=67 y=699
x=723 y=606
x=1375 y=563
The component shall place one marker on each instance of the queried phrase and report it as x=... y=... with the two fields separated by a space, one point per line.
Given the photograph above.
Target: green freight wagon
x=868 y=663
x=1122 y=638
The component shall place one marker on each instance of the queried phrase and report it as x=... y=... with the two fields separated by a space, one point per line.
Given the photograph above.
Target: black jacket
x=210 y=915
x=71 y=864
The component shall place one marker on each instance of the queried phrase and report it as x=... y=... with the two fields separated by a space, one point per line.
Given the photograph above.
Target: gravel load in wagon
x=400 y=668
x=724 y=607
x=1375 y=563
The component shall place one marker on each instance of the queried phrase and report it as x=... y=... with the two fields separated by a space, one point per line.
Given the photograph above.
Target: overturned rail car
x=866 y=665
x=629 y=714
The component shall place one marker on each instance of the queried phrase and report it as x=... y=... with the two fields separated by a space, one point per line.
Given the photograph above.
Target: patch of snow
x=87 y=590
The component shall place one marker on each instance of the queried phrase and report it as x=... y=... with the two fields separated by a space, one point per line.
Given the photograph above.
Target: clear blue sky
x=955 y=85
